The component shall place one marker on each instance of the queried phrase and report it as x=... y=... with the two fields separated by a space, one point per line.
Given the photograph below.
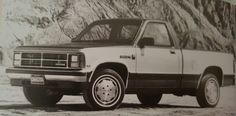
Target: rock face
x=199 y=24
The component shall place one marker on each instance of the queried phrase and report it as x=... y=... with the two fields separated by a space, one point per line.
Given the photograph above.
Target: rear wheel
x=208 y=93
x=148 y=99
x=105 y=91
x=41 y=96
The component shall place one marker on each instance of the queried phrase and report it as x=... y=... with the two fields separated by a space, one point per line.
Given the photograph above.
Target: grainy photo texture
x=117 y=57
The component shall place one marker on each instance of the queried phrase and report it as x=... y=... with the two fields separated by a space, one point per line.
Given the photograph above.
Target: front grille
x=31 y=55
x=44 y=60
x=55 y=63
x=30 y=62
x=54 y=56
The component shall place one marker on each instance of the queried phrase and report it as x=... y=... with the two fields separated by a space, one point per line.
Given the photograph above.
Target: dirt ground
x=13 y=103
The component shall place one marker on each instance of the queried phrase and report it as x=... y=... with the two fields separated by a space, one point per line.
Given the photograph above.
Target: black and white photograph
x=117 y=57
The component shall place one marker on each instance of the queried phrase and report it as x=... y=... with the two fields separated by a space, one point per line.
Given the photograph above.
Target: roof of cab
x=132 y=19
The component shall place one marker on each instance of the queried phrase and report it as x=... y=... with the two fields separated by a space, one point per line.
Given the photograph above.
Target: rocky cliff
x=199 y=24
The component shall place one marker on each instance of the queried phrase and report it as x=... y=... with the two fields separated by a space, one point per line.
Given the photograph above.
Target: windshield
x=110 y=31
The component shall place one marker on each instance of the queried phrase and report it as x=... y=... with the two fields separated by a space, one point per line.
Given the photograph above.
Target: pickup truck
x=114 y=57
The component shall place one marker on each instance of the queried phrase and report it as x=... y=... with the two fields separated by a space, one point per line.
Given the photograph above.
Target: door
x=158 y=64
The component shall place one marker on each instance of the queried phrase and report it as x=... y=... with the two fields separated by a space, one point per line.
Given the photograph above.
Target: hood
x=67 y=47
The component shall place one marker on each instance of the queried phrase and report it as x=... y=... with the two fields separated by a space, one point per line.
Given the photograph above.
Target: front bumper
x=17 y=75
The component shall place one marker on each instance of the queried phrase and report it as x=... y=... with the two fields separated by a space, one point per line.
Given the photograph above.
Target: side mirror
x=147 y=41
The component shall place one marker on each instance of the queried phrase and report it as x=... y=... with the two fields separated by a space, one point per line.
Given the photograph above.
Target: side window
x=129 y=31
x=159 y=33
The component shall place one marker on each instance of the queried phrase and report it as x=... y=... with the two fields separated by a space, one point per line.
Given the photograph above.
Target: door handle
x=172 y=51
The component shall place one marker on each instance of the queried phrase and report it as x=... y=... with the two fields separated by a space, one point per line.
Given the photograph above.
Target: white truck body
x=166 y=68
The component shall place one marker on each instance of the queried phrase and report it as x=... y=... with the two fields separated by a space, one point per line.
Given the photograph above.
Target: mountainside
x=199 y=24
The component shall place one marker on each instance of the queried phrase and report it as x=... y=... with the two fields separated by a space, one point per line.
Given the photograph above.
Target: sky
x=1 y=13
x=1 y=8
x=1 y=17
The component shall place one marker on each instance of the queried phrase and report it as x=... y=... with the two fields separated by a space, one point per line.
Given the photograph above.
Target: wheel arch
x=216 y=70
x=120 y=68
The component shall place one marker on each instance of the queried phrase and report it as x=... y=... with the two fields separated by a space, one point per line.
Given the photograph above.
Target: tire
x=41 y=96
x=105 y=91
x=149 y=99
x=208 y=93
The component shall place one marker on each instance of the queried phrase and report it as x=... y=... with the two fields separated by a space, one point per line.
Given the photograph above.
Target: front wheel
x=208 y=93
x=105 y=91
x=41 y=96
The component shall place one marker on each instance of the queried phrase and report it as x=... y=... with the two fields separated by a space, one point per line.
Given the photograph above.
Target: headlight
x=17 y=56
x=77 y=60
x=17 y=59
x=74 y=58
